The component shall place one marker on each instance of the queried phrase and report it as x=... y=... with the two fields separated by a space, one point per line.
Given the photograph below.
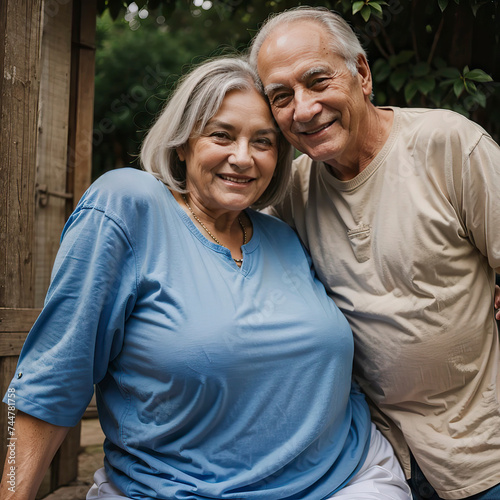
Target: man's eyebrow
x=314 y=71
x=272 y=87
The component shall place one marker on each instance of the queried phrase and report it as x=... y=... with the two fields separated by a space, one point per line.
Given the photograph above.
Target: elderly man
x=400 y=210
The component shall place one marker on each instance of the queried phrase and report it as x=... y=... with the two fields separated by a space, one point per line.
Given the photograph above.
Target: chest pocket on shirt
x=360 y=239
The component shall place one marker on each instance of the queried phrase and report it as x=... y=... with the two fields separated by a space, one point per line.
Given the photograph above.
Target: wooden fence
x=46 y=110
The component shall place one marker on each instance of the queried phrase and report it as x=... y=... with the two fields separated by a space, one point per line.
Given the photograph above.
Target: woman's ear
x=181 y=153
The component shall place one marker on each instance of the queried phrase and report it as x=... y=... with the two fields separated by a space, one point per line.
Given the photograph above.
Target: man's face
x=317 y=102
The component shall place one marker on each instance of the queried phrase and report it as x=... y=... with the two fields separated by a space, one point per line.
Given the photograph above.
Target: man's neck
x=377 y=130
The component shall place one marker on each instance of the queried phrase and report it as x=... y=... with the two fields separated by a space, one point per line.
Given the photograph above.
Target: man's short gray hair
x=343 y=39
x=197 y=98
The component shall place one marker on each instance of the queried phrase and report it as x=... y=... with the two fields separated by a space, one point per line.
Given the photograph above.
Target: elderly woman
x=222 y=369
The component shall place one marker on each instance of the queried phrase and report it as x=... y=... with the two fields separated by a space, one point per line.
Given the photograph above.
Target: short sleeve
x=80 y=329
x=481 y=199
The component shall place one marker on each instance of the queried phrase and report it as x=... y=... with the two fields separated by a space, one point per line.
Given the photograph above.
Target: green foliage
x=138 y=62
x=420 y=52
x=368 y=7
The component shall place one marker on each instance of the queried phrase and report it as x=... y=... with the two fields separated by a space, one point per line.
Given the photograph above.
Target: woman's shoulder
x=129 y=182
x=123 y=189
x=273 y=225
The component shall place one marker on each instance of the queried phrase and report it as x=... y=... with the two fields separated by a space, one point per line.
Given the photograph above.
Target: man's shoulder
x=439 y=120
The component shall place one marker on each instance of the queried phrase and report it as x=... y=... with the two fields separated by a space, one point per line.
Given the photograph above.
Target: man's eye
x=319 y=81
x=280 y=99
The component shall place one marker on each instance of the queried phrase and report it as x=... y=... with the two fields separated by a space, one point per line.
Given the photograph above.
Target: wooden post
x=81 y=112
x=20 y=30
x=53 y=133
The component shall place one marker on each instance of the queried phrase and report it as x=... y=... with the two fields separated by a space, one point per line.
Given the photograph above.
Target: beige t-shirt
x=407 y=250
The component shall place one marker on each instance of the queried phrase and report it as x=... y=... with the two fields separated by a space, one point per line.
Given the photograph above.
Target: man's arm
x=34 y=446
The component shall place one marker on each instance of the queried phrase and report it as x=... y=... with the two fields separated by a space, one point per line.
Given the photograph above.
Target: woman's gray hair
x=197 y=98
x=344 y=40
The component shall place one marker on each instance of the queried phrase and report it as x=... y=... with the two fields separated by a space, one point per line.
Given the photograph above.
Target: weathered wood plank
x=81 y=114
x=53 y=131
x=18 y=134
x=11 y=343
x=17 y=319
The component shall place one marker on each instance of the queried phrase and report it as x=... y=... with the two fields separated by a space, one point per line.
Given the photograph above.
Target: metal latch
x=43 y=194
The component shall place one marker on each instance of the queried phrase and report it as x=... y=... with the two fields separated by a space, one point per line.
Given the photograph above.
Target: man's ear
x=365 y=75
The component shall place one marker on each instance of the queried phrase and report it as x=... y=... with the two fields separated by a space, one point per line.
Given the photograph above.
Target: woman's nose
x=241 y=155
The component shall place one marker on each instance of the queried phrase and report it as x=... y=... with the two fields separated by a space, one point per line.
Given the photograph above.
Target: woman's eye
x=264 y=141
x=220 y=135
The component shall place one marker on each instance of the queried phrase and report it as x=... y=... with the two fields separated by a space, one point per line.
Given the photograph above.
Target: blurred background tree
x=423 y=53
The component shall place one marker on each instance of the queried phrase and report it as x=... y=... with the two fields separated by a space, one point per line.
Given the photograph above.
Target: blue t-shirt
x=212 y=381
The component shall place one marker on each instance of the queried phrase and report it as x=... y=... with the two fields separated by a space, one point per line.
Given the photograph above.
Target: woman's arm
x=36 y=443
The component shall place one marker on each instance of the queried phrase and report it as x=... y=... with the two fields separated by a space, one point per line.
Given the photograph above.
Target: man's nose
x=306 y=107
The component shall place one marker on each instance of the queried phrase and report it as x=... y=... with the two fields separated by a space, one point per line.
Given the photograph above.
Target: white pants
x=103 y=488
x=380 y=478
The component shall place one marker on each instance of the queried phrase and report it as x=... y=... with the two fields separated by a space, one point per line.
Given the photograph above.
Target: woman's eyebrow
x=228 y=126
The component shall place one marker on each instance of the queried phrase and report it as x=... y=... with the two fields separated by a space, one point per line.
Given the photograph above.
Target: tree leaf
x=470 y=87
x=401 y=58
x=439 y=62
x=366 y=12
x=443 y=4
x=478 y=75
x=480 y=98
x=458 y=87
x=381 y=69
x=398 y=78
x=357 y=6
x=451 y=81
x=376 y=6
x=115 y=7
x=410 y=91
x=421 y=69
x=426 y=85
x=380 y=15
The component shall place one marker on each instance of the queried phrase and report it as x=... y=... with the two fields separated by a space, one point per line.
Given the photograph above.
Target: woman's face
x=230 y=165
